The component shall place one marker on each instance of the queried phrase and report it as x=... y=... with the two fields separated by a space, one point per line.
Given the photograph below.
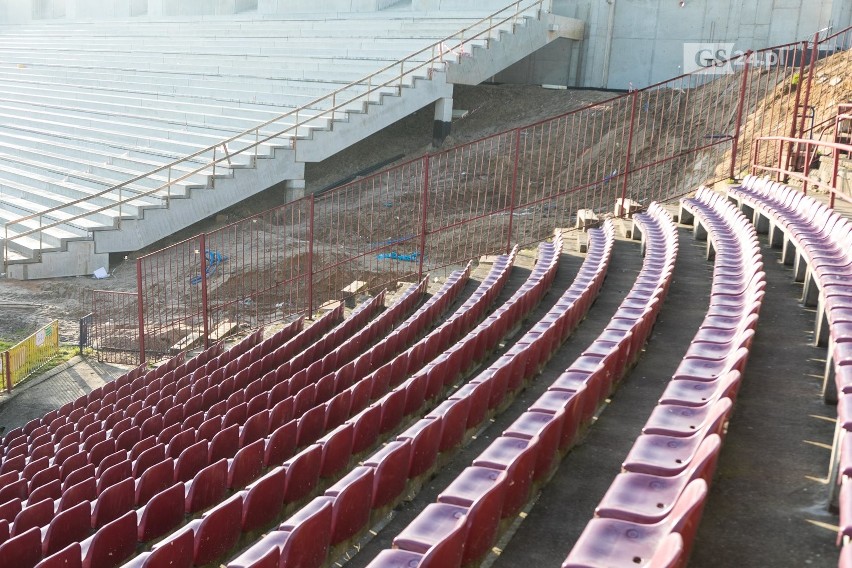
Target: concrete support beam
x=443 y=120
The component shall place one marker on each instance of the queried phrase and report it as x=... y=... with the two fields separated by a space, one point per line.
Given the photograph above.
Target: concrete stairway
x=86 y=106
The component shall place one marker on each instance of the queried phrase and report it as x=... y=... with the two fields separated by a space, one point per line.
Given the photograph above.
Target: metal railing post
x=310 y=314
x=793 y=122
x=424 y=216
x=755 y=153
x=835 y=170
x=7 y=367
x=169 y=189
x=807 y=101
x=513 y=193
x=740 y=106
x=213 y=177
x=204 y=305
x=622 y=208
x=141 y=310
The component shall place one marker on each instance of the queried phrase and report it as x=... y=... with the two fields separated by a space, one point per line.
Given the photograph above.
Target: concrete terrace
x=88 y=105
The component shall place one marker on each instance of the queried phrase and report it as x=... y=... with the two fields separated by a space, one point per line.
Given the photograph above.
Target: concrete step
x=141 y=123
x=80 y=151
x=109 y=174
x=53 y=191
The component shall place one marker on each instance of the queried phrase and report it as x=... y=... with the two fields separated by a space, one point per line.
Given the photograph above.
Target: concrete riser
x=273 y=167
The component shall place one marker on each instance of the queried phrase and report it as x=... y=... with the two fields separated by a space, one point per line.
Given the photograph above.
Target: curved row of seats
x=650 y=513
x=225 y=452
x=484 y=499
x=413 y=452
x=264 y=499
x=126 y=430
x=816 y=240
x=149 y=467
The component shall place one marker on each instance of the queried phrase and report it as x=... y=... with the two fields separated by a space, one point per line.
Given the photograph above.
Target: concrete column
x=443 y=120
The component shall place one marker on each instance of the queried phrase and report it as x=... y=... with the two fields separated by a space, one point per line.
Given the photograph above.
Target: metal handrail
x=436 y=49
x=808 y=144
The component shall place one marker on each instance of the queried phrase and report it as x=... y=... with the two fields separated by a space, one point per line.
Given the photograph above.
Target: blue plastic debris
x=411 y=257
x=214 y=259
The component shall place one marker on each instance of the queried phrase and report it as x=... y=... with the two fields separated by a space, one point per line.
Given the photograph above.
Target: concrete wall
x=296 y=6
x=23 y=11
x=641 y=42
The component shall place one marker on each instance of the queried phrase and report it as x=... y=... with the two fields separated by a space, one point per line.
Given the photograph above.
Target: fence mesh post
x=740 y=108
x=311 y=259
x=141 y=310
x=424 y=214
x=204 y=311
x=793 y=121
x=8 y=368
x=621 y=207
x=513 y=194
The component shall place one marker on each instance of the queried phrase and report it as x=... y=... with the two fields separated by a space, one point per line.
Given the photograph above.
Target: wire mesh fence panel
x=257 y=269
x=366 y=234
x=657 y=143
x=829 y=82
x=469 y=200
x=114 y=327
x=170 y=288
x=775 y=76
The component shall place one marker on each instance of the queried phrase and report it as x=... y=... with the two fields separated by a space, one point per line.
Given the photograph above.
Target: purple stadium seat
x=84 y=491
x=425 y=436
x=10 y=509
x=439 y=529
x=192 y=460
x=68 y=526
x=614 y=542
x=51 y=490
x=547 y=428
x=111 y=544
x=647 y=499
x=482 y=491
x=216 y=532
x=114 y=502
x=163 y=512
x=336 y=449
x=352 y=496
x=114 y=474
x=518 y=458
x=147 y=458
x=280 y=444
x=224 y=444
x=38 y=514
x=302 y=473
x=21 y=551
x=68 y=557
x=207 y=487
x=246 y=465
x=155 y=479
x=308 y=536
x=264 y=500
x=266 y=553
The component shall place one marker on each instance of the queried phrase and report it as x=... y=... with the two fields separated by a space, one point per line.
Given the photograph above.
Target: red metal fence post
x=202 y=246
x=513 y=195
x=835 y=168
x=740 y=107
x=310 y=313
x=424 y=214
x=794 y=121
x=8 y=368
x=141 y=309
x=622 y=208
x=807 y=101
